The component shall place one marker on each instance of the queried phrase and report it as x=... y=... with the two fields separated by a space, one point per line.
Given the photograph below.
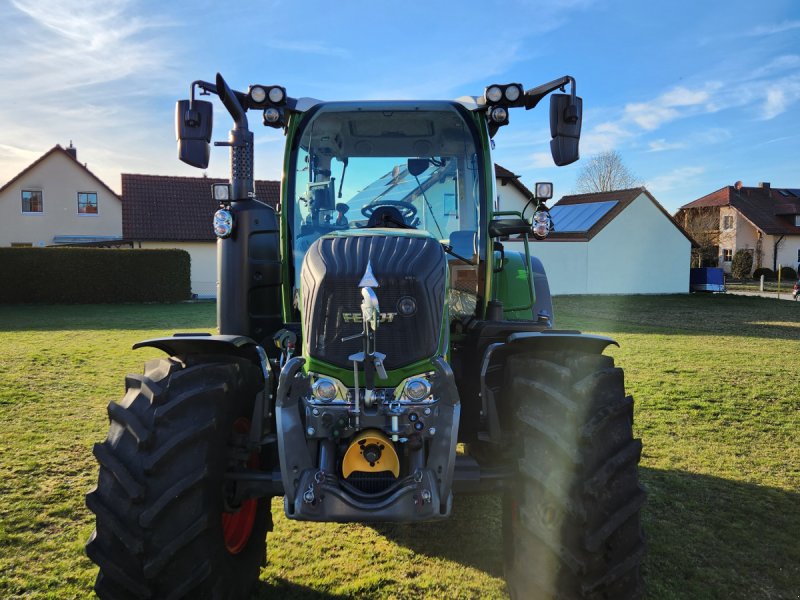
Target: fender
x=529 y=341
x=237 y=346
x=202 y=343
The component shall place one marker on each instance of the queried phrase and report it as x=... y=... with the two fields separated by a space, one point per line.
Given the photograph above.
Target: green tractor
x=381 y=350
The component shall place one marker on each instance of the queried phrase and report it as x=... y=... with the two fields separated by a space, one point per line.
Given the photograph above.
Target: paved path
x=787 y=295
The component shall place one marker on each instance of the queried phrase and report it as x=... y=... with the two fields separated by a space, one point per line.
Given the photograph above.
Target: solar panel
x=579 y=218
x=794 y=192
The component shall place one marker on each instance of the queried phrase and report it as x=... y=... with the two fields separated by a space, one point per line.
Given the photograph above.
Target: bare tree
x=702 y=223
x=605 y=172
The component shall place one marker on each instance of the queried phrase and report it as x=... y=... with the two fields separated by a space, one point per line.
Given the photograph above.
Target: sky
x=693 y=95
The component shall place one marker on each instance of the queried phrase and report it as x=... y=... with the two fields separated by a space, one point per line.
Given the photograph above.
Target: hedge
x=93 y=275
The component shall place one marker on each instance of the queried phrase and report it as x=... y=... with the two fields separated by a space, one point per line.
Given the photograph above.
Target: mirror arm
x=534 y=95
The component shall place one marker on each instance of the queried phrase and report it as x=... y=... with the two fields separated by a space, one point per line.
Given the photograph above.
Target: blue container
x=707 y=279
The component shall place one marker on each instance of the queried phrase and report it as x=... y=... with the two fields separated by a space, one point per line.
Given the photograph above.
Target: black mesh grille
x=371 y=483
x=403 y=266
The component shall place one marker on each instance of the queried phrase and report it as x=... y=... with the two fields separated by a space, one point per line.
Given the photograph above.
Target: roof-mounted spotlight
x=513 y=92
x=272 y=117
x=260 y=95
x=277 y=94
x=509 y=94
x=499 y=115
x=493 y=94
x=257 y=94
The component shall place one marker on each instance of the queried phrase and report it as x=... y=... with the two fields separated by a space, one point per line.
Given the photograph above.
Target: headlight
x=276 y=95
x=417 y=389
x=223 y=223
x=494 y=94
x=499 y=114
x=541 y=230
x=324 y=389
x=541 y=216
x=513 y=92
x=272 y=115
x=258 y=94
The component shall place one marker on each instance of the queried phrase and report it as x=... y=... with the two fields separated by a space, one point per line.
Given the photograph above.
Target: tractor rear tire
x=164 y=529
x=571 y=521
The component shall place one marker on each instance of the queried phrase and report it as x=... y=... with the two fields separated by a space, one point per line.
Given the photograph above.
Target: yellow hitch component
x=370 y=452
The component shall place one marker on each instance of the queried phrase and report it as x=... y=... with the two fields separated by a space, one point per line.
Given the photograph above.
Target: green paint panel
x=514 y=289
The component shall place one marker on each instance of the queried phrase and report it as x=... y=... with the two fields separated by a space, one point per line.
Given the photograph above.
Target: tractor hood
x=410 y=269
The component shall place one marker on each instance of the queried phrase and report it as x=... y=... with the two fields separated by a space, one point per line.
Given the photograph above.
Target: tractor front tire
x=164 y=528
x=571 y=521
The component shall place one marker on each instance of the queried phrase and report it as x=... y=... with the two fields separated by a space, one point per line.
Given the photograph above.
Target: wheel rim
x=237 y=527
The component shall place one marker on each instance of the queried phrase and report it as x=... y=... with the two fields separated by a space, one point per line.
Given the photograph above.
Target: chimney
x=763 y=184
x=738 y=185
x=72 y=151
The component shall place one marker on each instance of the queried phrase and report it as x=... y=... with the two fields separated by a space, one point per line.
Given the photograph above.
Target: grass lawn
x=715 y=380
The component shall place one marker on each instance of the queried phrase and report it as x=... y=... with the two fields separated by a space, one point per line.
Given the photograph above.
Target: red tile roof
x=769 y=209
x=166 y=208
x=58 y=148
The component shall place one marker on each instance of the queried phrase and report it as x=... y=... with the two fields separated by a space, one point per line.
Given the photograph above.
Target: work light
x=417 y=388
x=258 y=94
x=276 y=94
x=494 y=93
x=499 y=114
x=272 y=115
x=221 y=192
x=544 y=190
x=513 y=92
x=324 y=389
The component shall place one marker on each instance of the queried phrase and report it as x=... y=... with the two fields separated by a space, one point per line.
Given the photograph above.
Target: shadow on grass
x=687 y=314
x=471 y=537
x=283 y=588
x=715 y=538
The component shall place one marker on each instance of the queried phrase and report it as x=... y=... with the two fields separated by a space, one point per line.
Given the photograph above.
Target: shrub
x=767 y=273
x=742 y=264
x=788 y=274
x=93 y=275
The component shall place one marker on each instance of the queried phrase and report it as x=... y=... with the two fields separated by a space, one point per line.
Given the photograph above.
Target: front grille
x=371 y=483
x=403 y=266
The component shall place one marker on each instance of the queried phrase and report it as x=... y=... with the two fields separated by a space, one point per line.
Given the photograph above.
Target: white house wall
x=204 y=264
x=565 y=264
x=510 y=198
x=60 y=180
x=639 y=252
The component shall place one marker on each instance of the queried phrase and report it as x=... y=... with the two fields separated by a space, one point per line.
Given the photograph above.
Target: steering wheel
x=406 y=209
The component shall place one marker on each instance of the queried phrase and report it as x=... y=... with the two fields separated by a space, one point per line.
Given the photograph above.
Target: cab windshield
x=414 y=167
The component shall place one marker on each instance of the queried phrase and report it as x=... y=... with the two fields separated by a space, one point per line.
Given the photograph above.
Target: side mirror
x=193 y=130
x=417 y=166
x=565 y=128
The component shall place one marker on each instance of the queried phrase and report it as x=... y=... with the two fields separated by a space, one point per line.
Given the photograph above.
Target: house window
x=727 y=255
x=32 y=201
x=87 y=203
x=727 y=222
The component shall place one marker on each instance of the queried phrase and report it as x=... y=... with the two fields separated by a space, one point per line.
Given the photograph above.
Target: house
x=176 y=212
x=57 y=200
x=762 y=220
x=619 y=242
x=511 y=192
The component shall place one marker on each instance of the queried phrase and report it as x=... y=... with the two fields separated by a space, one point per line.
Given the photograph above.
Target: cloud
x=667 y=107
x=86 y=72
x=668 y=181
x=779 y=97
x=604 y=136
x=308 y=47
x=774 y=28
x=661 y=145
